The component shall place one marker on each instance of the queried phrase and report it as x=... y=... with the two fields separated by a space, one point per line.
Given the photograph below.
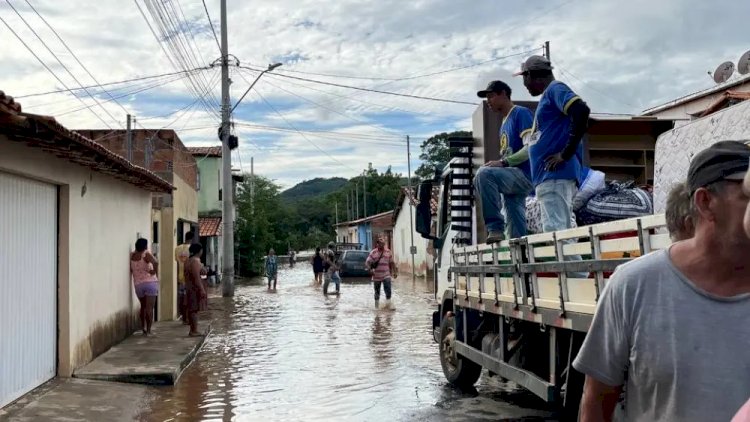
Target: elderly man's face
x=746 y=190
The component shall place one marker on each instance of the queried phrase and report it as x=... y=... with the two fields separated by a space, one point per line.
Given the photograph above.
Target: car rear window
x=359 y=256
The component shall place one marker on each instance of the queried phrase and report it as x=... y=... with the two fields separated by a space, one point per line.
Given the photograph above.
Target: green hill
x=315 y=188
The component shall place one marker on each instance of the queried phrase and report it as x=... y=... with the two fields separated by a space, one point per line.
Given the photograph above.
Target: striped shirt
x=384 y=259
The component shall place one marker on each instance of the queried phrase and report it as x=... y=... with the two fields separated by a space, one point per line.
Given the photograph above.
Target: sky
x=620 y=57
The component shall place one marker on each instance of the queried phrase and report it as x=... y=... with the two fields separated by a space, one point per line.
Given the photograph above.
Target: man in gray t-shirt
x=673 y=325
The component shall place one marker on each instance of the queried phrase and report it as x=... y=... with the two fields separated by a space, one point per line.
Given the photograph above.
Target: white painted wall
x=402 y=243
x=675 y=148
x=98 y=229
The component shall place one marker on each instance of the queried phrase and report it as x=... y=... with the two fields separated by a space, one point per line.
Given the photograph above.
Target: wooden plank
x=653 y=221
x=580 y=248
x=575 y=233
x=617 y=226
x=582 y=290
x=659 y=241
x=581 y=308
x=627 y=244
x=549 y=289
x=544 y=252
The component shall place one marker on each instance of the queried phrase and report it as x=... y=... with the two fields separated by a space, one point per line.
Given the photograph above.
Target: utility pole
x=546 y=50
x=252 y=187
x=364 y=193
x=226 y=154
x=356 y=196
x=129 y=142
x=412 y=250
x=337 y=213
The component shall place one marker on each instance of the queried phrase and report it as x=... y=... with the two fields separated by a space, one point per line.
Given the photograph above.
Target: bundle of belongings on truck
x=597 y=201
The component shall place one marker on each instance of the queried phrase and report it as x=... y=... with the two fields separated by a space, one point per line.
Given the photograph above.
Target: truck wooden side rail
x=538 y=293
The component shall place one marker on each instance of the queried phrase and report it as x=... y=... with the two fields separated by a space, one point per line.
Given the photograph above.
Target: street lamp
x=270 y=68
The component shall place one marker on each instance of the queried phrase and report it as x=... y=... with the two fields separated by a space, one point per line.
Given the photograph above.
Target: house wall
x=685 y=110
x=98 y=228
x=185 y=207
x=402 y=243
x=210 y=177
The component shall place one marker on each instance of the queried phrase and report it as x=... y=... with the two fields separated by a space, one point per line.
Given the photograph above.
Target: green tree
x=436 y=153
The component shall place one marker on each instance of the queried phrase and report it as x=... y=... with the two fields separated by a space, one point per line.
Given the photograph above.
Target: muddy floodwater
x=296 y=355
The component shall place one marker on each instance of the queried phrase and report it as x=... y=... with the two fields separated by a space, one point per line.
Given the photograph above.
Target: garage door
x=28 y=285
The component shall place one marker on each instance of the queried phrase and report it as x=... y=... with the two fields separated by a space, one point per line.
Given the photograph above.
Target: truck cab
x=521 y=308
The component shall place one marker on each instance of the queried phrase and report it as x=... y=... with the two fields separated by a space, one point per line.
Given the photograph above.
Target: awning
x=210 y=226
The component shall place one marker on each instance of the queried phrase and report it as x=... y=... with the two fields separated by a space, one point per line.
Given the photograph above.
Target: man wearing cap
x=560 y=121
x=673 y=324
x=506 y=181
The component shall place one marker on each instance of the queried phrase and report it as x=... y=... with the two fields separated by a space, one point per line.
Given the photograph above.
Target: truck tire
x=457 y=369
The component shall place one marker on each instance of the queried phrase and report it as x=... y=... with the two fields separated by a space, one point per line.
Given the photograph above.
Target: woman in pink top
x=143 y=268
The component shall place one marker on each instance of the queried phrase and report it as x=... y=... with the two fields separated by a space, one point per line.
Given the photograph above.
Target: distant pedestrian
x=292 y=258
x=383 y=269
x=195 y=292
x=181 y=255
x=143 y=268
x=332 y=269
x=272 y=269
x=317 y=264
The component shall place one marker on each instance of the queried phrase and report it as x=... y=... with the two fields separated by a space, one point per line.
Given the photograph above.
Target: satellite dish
x=743 y=65
x=723 y=72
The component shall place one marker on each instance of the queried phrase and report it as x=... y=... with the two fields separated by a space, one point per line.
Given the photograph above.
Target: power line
x=60 y=62
x=419 y=97
x=137 y=79
x=192 y=85
x=218 y=44
x=364 y=136
x=407 y=78
x=300 y=133
x=50 y=71
x=344 y=137
x=329 y=108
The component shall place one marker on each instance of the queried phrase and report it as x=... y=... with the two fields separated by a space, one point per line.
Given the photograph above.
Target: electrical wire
x=327 y=108
x=60 y=62
x=52 y=72
x=300 y=133
x=138 y=79
x=218 y=44
x=419 y=97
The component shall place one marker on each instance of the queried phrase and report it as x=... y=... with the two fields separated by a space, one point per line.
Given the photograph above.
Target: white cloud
x=619 y=57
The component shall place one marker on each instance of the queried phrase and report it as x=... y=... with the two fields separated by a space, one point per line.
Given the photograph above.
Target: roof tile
x=214 y=151
x=209 y=226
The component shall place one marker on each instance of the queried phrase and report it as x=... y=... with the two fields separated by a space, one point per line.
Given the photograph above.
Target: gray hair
x=679 y=213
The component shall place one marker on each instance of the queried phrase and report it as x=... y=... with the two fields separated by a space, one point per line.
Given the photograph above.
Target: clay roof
x=209 y=226
x=206 y=151
x=44 y=132
x=726 y=99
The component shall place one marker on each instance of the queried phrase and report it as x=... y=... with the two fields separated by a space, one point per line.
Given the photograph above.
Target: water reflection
x=298 y=355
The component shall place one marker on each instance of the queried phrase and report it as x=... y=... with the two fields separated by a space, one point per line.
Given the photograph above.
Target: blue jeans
x=329 y=278
x=386 y=282
x=503 y=187
x=556 y=200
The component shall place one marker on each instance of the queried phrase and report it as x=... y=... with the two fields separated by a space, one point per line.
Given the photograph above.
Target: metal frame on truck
x=521 y=308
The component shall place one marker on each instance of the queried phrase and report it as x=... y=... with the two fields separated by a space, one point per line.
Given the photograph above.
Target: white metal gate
x=28 y=285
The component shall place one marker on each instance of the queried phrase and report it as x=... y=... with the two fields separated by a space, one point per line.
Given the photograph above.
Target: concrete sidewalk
x=156 y=360
x=68 y=399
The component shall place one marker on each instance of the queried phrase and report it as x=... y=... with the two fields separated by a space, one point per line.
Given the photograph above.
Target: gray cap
x=534 y=63
x=724 y=160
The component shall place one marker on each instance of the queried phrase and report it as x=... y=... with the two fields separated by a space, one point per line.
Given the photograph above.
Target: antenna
x=743 y=64
x=723 y=72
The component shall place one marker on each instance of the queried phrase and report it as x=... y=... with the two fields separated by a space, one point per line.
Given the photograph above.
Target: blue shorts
x=149 y=288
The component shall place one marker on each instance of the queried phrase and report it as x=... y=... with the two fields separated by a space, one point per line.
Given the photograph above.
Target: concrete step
x=158 y=359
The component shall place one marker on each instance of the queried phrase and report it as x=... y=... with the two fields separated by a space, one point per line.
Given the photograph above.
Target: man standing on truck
x=505 y=183
x=560 y=121
x=673 y=324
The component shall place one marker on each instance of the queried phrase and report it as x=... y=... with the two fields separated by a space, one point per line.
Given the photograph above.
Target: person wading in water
x=194 y=291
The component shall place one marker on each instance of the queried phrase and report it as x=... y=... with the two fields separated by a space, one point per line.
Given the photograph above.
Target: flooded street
x=297 y=355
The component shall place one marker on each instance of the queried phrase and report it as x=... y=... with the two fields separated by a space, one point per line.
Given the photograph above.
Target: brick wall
x=166 y=152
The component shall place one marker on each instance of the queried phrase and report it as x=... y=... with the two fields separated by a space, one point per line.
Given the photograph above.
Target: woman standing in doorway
x=143 y=268
x=195 y=292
